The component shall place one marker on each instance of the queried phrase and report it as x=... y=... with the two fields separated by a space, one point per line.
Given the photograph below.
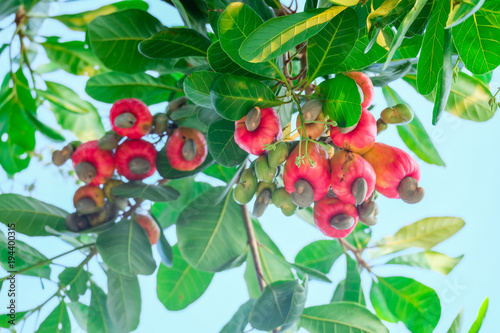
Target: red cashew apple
x=307 y=183
x=361 y=138
x=88 y=199
x=397 y=173
x=335 y=218
x=131 y=118
x=186 y=149
x=258 y=128
x=93 y=165
x=366 y=85
x=353 y=178
x=148 y=224
x=136 y=159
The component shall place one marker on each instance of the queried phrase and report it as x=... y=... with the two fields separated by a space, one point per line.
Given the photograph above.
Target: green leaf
x=341 y=316
x=414 y=134
x=468 y=99
x=306 y=215
x=430 y=61
x=5 y=318
x=76 y=278
x=220 y=62
x=197 y=87
x=211 y=237
x=80 y=312
x=175 y=43
x=236 y=23
x=126 y=249
x=332 y=44
x=424 y=234
x=476 y=326
x=432 y=260
x=44 y=129
x=388 y=12
x=341 y=100
x=410 y=48
x=74 y=57
x=221 y=144
x=233 y=96
x=73 y=113
x=25 y=256
x=403 y=299
x=280 y=304
x=57 y=321
x=476 y=39
x=320 y=255
x=30 y=216
x=137 y=189
x=280 y=34
x=338 y=294
x=311 y=273
x=164 y=248
x=110 y=87
x=98 y=319
x=180 y=285
x=360 y=236
x=167 y=172
x=220 y=172
x=403 y=28
x=274 y=265
x=80 y=21
x=239 y=320
x=456 y=326
x=167 y=213
x=124 y=301
x=353 y=291
x=463 y=10
x=485 y=78
x=115 y=39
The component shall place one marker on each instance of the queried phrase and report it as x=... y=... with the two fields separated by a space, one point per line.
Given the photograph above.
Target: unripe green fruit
x=398 y=114
x=263 y=171
x=282 y=199
x=245 y=190
x=278 y=155
x=381 y=126
x=271 y=186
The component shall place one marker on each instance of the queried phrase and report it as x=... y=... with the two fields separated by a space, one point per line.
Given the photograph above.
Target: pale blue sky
x=466 y=187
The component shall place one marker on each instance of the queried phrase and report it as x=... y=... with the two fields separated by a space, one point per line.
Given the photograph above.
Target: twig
x=254 y=247
x=346 y=245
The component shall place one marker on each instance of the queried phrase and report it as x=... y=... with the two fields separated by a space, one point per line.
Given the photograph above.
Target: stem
x=346 y=245
x=254 y=246
x=48 y=261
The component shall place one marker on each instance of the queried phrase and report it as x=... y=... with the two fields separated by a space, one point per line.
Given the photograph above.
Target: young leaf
x=353 y=291
x=221 y=144
x=25 y=256
x=280 y=34
x=432 y=260
x=233 y=96
x=175 y=43
x=476 y=39
x=76 y=279
x=280 y=304
x=115 y=39
x=80 y=21
x=126 y=249
x=30 y=216
x=341 y=100
x=424 y=234
x=456 y=326
x=112 y=86
x=332 y=44
x=57 y=321
x=197 y=87
x=236 y=23
x=239 y=320
x=340 y=316
x=476 y=326
x=180 y=285
x=430 y=61
x=211 y=237
x=137 y=189
x=413 y=134
x=320 y=255
x=403 y=299
x=98 y=319
x=124 y=301
x=462 y=11
x=445 y=79
x=461 y=103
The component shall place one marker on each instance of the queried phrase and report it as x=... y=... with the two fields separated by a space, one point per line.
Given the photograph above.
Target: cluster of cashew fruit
x=339 y=170
x=124 y=150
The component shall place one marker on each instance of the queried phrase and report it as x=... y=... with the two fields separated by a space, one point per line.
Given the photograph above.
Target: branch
x=254 y=246
x=347 y=245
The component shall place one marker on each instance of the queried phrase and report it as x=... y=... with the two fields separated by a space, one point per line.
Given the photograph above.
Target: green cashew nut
x=277 y=156
x=263 y=171
x=282 y=199
x=246 y=188
x=399 y=114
